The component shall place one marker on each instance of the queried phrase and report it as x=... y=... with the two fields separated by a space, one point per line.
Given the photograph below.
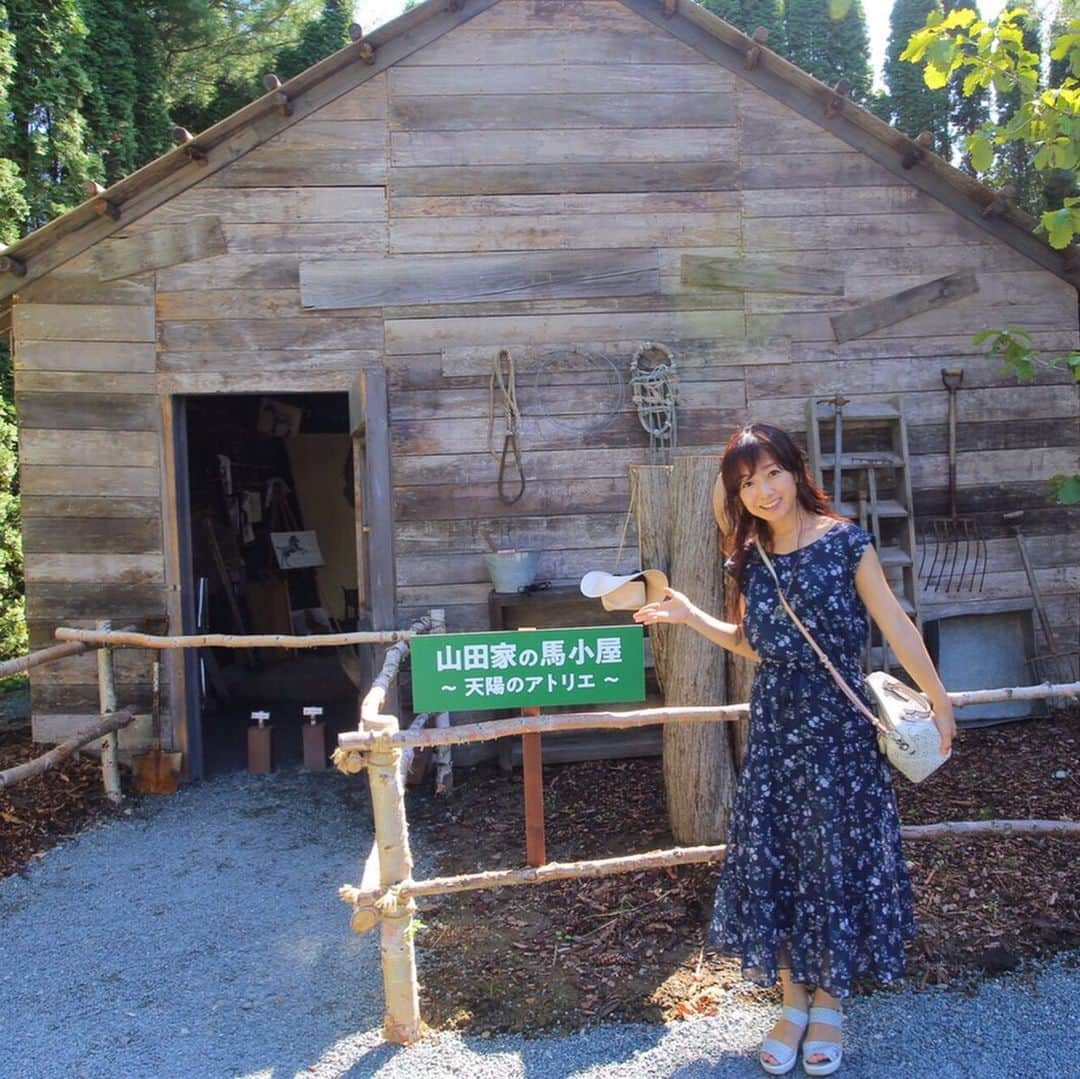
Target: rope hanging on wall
x=504 y=376
x=655 y=393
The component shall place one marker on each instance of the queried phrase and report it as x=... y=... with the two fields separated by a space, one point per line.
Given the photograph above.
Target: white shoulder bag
x=907 y=734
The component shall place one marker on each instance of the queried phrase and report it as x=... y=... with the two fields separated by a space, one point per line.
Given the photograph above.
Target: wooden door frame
x=183 y=669
x=369 y=420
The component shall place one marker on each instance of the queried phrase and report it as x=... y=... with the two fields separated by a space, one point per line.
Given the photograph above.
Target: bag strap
x=836 y=676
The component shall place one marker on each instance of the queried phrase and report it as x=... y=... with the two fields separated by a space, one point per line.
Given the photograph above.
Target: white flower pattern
x=814 y=877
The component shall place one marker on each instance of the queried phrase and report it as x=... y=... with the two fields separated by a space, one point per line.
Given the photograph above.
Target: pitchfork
x=953 y=539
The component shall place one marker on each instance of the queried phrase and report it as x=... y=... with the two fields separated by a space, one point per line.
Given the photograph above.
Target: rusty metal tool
x=954 y=539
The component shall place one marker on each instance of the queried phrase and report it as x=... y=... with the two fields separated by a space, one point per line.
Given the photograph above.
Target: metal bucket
x=510 y=571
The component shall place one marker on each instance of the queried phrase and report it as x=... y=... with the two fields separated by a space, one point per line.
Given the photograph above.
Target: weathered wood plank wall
x=573 y=140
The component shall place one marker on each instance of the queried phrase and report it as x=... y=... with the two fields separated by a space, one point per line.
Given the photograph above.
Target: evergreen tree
x=322 y=36
x=214 y=52
x=828 y=48
x=13 y=205
x=748 y=15
x=13 y=209
x=125 y=109
x=914 y=108
x=46 y=138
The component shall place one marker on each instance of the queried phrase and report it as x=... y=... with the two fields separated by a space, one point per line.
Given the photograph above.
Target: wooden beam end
x=10 y=264
x=92 y=188
x=181 y=136
x=271 y=81
x=356 y=32
x=105 y=208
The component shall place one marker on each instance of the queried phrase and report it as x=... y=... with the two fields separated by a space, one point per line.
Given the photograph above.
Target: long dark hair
x=738 y=527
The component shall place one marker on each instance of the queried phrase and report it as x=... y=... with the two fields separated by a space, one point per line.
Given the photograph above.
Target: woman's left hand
x=945 y=723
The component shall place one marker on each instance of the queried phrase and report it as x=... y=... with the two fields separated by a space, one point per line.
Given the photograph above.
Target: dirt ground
x=555 y=957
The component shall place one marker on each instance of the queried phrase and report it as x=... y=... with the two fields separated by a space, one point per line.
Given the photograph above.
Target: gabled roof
x=184 y=166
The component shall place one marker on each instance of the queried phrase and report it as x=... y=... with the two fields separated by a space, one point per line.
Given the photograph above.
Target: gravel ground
x=201 y=935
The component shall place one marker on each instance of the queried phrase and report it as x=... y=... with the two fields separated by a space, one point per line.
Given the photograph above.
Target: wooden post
x=401 y=1023
x=649 y=496
x=110 y=770
x=699 y=772
x=532 y=772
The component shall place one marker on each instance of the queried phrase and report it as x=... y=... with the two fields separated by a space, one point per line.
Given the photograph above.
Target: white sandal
x=832 y=1051
x=784 y=1054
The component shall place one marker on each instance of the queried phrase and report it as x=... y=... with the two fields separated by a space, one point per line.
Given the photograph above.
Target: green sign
x=464 y=672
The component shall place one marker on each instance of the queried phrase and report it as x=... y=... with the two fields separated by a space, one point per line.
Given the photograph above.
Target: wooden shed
x=323 y=280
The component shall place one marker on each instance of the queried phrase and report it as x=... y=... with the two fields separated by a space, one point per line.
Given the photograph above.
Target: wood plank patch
x=128 y=254
x=755 y=275
x=526 y=275
x=111 y=356
x=83 y=322
x=83 y=412
x=901 y=305
x=92 y=535
x=561 y=112
x=572 y=177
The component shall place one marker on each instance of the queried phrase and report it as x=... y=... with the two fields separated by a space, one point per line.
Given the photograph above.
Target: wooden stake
x=649 y=497
x=444 y=761
x=533 y=774
x=110 y=770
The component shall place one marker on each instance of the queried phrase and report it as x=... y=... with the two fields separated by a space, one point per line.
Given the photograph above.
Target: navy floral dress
x=814 y=879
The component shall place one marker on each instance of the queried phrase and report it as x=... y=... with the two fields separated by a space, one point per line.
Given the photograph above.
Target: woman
x=813 y=886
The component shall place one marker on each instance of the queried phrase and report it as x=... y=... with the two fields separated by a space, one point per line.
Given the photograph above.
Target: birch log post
x=649 y=497
x=699 y=772
x=110 y=744
x=401 y=1023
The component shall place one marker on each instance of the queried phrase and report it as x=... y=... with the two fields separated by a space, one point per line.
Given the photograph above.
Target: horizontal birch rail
x=365 y=895
x=122 y=638
x=489 y=730
x=46 y=655
x=501 y=878
x=567 y=721
x=642 y=717
x=106 y=725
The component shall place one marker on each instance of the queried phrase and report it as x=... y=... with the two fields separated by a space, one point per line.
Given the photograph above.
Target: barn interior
x=273 y=547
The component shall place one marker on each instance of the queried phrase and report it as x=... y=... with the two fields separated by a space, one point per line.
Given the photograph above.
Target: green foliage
x=322 y=36
x=1014 y=347
x=748 y=15
x=1039 y=128
x=46 y=133
x=914 y=108
x=830 y=48
x=13 y=639
x=214 y=52
x=127 y=121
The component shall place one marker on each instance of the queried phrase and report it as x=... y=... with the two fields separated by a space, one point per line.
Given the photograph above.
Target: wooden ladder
x=873 y=477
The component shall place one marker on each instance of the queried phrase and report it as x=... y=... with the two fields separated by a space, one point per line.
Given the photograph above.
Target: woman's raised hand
x=671 y=610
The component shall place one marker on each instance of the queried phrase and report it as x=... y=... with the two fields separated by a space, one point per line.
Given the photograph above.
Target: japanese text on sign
x=475 y=671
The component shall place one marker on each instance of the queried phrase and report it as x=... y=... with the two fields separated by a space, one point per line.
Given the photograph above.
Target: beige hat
x=626 y=593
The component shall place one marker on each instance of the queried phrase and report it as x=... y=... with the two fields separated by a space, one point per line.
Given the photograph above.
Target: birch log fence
x=386 y=894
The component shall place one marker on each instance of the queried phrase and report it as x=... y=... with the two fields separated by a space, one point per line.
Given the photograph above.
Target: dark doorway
x=272 y=534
